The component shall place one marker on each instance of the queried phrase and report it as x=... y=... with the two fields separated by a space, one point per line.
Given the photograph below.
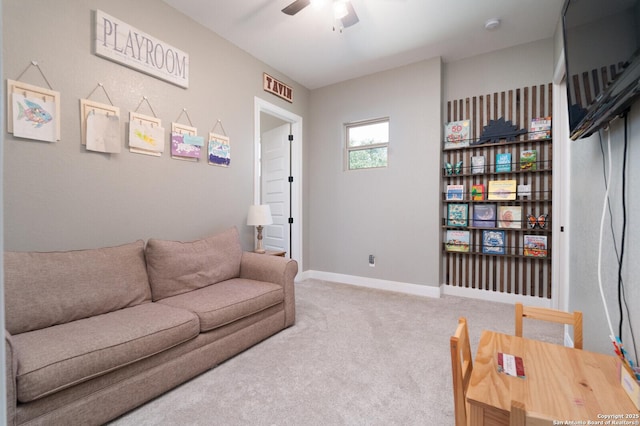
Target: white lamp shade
x=259 y=215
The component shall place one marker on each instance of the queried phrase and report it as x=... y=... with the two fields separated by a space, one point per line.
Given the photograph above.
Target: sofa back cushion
x=177 y=267
x=45 y=289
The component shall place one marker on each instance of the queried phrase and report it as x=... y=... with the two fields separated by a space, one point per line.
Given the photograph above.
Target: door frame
x=561 y=188
x=260 y=106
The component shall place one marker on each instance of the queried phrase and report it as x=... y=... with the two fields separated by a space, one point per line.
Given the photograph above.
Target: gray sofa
x=91 y=334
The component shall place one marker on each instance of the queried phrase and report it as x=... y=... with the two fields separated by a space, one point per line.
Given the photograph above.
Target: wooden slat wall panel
x=510 y=273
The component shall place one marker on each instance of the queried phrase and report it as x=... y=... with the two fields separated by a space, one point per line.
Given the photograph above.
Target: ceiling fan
x=343 y=11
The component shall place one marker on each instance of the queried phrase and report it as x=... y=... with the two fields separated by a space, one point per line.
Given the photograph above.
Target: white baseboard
x=425 y=290
x=400 y=287
x=495 y=296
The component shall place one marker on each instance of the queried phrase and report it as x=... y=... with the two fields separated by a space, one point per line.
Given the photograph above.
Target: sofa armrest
x=273 y=269
x=11 y=371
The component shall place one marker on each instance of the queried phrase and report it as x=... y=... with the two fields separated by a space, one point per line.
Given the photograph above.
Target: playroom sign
x=126 y=45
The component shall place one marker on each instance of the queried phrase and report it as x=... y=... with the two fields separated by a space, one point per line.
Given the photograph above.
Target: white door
x=275 y=187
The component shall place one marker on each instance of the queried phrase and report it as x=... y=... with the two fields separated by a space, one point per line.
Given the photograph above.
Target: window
x=367 y=144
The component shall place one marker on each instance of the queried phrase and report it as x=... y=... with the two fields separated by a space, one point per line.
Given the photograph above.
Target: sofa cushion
x=45 y=289
x=228 y=301
x=177 y=267
x=58 y=357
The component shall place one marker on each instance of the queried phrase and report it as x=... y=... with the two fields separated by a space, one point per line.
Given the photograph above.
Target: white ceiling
x=390 y=33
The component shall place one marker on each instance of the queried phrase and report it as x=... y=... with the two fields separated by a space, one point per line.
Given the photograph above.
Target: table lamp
x=259 y=215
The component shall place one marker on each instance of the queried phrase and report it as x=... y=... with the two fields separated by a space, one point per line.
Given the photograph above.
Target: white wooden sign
x=126 y=45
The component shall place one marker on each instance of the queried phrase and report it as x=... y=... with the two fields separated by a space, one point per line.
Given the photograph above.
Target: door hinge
x=290 y=220
x=290 y=138
x=290 y=179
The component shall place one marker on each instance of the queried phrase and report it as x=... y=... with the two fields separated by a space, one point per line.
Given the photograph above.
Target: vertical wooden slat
x=587 y=87
x=518 y=107
x=534 y=104
x=576 y=89
x=542 y=95
x=596 y=81
x=481 y=118
x=604 y=75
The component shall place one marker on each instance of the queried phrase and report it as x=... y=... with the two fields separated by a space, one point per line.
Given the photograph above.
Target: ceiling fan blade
x=351 y=18
x=296 y=7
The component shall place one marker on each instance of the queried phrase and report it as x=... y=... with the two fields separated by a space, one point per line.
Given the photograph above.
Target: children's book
x=455 y=192
x=477 y=164
x=493 y=242
x=540 y=128
x=457 y=134
x=524 y=190
x=457 y=241
x=528 y=159
x=510 y=217
x=503 y=162
x=484 y=216
x=457 y=214
x=477 y=192
x=502 y=190
x=535 y=245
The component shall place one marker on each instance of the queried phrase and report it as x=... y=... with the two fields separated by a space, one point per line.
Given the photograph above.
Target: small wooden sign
x=277 y=87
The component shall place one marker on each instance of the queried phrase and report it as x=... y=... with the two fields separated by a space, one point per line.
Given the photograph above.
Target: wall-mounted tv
x=602 y=53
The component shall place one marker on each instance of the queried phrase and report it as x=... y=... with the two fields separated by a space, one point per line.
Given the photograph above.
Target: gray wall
x=586 y=198
x=393 y=212
x=59 y=196
x=505 y=69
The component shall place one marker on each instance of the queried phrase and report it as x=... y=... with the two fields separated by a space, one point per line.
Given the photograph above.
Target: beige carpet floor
x=355 y=356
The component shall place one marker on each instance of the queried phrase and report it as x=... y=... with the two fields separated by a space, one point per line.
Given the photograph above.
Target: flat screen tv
x=602 y=53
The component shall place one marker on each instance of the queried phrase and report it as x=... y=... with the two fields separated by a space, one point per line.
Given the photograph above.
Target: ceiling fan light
x=317 y=4
x=340 y=10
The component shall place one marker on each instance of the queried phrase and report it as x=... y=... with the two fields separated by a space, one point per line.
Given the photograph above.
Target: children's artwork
x=484 y=216
x=493 y=242
x=33 y=112
x=457 y=134
x=33 y=118
x=457 y=241
x=535 y=245
x=510 y=217
x=146 y=135
x=457 y=214
x=182 y=149
x=100 y=125
x=185 y=142
x=219 y=150
x=103 y=132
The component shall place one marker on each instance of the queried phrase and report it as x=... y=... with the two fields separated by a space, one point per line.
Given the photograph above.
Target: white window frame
x=349 y=149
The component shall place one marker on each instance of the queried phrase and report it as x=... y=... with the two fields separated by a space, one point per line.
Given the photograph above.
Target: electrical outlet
x=372 y=261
